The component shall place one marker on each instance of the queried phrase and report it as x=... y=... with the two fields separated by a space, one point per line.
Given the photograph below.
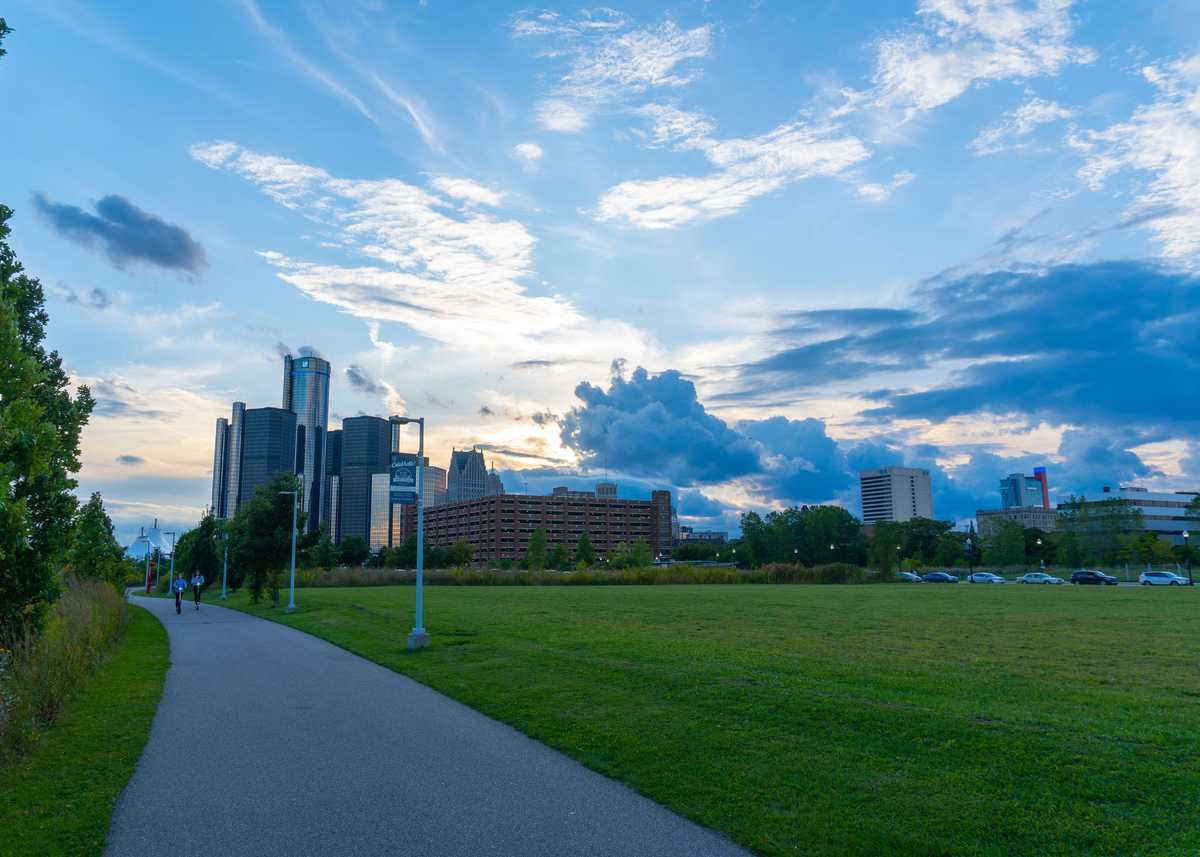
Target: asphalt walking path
x=269 y=741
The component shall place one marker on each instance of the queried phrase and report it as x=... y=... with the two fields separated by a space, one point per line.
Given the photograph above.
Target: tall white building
x=895 y=494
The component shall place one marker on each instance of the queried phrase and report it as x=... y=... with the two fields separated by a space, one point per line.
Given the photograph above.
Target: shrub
x=39 y=675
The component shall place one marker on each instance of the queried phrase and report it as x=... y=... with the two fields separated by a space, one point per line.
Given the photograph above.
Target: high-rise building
x=895 y=494
x=466 y=478
x=268 y=447
x=495 y=486
x=306 y=394
x=434 y=487
x=220 y=468
x=607 y=490
x=1018 y=490
x=333 y=471
x=380 y=512
x=233 y=460
x=366 y=451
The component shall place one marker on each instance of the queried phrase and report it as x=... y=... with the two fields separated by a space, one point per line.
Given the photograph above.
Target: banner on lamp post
x=404 y=478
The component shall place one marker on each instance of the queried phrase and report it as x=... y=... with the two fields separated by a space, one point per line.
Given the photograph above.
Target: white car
x=1039 y=577
x=985 y=577
x=1161 y=578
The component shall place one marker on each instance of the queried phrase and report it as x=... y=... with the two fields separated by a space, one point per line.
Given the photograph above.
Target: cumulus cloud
x=1161 y=140
x=1020 y=123
x=874 y=192
x=963 y=43
x=745 y=169
x=608 y=60
x=126 y=233
x=528 y=154
x=468 y=191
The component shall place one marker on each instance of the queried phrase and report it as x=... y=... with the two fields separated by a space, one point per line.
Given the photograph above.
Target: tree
x=560 y=558
x=94 y=550
x=460 y=552
x=204 y=554
x=695 y=549
x=883 y=553
x=354 y=551
x=261 y=536
x=585 y=554
x=39 y=448
x=1006 y=545
x=535 y=554
x=951 y=549
x=639 y=554
x=324 y=554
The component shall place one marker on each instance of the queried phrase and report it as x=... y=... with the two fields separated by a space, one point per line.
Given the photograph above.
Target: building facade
x=499 y=527
x=433 y=488
x=494 y=484
x=220 y=466
x=331 y=495
x=366 y=451
x=268 y=448
x=1018 y=490
x=467 y=476
x=1164 y=513
x=233 y=460
x=306 y=394
x=1029 y=517
x=895 y=494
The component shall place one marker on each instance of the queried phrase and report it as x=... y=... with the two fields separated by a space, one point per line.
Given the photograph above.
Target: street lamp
x=224 y=562
x=1041 y=559
x=418 y=638
x=171 y=585
x=146 y=539
x=291 y=608
x=1188 y=553
x=970 y=562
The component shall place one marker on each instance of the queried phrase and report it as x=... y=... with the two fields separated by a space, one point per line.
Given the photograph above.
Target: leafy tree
x=639 y=553
x=585 y=554
x=619 y=556
x=460 y=553
x=39 y=448
x=951 y=549
x=535 y=554
x=560 y=558
x=695 y=549
x=1006 y=545
x=354 y=551
x=94 y=551
x=205 y=551
x=324 y=554
x=1090 y=532
x=884 y=556
x=261 y=536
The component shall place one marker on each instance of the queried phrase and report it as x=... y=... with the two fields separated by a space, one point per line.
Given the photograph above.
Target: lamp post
x=1041 y=559
x=291 y=608
x=171 y=584
x=970 y=562
x=224 y=562
x=147 y=541
x=1187 y=552
x=418 y=638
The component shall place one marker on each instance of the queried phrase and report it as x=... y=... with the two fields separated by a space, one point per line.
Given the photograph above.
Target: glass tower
x=306 y=394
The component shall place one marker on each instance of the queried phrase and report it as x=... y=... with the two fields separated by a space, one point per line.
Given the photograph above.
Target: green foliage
x=811 y=535
x=94 y=551
x=354 y=550
x=39 y=449
x=585 y=554
x=1090 y=532
x=695 y=550
x=560 y=557
x=460 y=552
x=1006 y=545
x=535 y=554
x=200 y=551
x=260 y=537
x=886 y=548
x=324 y=554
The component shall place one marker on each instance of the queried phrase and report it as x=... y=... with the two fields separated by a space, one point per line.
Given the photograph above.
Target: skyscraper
x=268 y=447
x=233 y=460
x=306 y=394
x=495 y=487
x=220 y=465
x=466 y=478
x=895 y=494
x=331 y=499
x=366 y=451
x=1018 y=490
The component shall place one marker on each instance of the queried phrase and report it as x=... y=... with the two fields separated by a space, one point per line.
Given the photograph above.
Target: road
x=271 y=742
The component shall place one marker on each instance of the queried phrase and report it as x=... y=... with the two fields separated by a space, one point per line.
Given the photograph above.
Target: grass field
x=58 y=800
x=835 y=720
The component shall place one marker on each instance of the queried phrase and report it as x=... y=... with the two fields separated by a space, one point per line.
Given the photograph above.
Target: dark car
x=1098 y=578
x=939 y=577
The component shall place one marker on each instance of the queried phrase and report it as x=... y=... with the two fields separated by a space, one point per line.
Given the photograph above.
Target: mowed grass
x=835 y=720
x=58 y=800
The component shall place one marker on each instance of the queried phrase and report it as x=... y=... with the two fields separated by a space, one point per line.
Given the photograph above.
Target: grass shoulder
x=58 y=800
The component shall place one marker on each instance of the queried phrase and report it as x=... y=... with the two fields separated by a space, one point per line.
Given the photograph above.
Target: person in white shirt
x=197 y=584
x=179 y=586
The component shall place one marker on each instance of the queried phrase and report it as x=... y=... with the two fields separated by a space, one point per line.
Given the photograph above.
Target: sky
x=739 y=250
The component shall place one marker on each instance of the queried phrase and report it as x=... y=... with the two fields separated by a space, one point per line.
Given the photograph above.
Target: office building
x=1164 y=513
x=366 y=451
x=499 y=527
x=690 y=534
x=331 y=495
x=434 y=486
x=494 y=484
x=232 y=471
x=306 y=394
x=607 y=490
x=1029 y=517
x=268 y=448
x=1018 y=490
x=380 y=512
x=467 y=476
x=220 y=465
x=895 y=494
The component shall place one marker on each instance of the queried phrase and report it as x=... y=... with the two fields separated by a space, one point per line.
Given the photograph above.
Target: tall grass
x=39 y=674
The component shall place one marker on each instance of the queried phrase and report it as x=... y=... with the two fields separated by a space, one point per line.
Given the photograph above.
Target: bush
x=39 y=675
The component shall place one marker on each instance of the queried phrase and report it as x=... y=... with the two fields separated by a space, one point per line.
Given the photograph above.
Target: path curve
x=269 y=741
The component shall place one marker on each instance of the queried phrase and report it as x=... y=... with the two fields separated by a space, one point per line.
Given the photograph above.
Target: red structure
x=1039 y=473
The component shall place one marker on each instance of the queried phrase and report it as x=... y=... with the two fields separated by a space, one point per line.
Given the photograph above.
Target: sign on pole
x=404 y=478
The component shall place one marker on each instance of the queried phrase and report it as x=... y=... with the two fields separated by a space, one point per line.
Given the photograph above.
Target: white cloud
x=1020 y=123
x=875 y=192
x=961 y=43
x=1162 y=139
x=452 y=275
x=609 y=60
x=416 y=114
x=468 y=191
x=748 y=168
x=528 y=154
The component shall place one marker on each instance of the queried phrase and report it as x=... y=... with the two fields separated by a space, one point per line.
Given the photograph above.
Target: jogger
x=179 y=586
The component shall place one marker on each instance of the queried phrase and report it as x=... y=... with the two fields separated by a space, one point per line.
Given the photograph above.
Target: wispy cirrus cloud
x=608 y=60
x=1021 y=122
x=746 y=168
x=1161 y=139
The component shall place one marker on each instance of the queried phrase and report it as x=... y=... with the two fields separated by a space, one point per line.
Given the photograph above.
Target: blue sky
x=740 y=249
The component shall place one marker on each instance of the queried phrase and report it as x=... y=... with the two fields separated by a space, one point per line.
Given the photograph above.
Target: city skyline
x=739 y=252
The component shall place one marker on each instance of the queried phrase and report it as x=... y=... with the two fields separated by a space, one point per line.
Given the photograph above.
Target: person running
x=179 y=586
x=197 y=584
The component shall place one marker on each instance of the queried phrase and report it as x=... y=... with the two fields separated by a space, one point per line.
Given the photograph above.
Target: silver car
x=1039 y=577
x=1161 y=578
x=985 y=577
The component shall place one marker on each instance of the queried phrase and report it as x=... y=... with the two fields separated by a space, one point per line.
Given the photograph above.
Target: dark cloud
x=125 y=233
x=309 y=351
x=130 y=460
x=485 y=411
x=654 y=426
x=545 y=418
x=445 y=404
x=282 y=349
x=358 y=378
x=96 y=298
x=533 y=364
x=116 y=399
x=513 y=452
x=803 y=464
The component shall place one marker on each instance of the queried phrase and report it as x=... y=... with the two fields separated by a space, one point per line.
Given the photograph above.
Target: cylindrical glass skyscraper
x=306 y=394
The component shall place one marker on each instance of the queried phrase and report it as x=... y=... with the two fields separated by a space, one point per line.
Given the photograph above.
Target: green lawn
x=58 y=800
x=838 y=720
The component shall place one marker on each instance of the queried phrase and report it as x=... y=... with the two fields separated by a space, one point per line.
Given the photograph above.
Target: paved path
x=271 y=742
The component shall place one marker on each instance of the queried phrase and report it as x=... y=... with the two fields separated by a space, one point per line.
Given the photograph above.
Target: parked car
x=1090 y=575
x=908 y=577
x=1039 y=577
x=985 y=577
x=939 y=577
x=1161 y=578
